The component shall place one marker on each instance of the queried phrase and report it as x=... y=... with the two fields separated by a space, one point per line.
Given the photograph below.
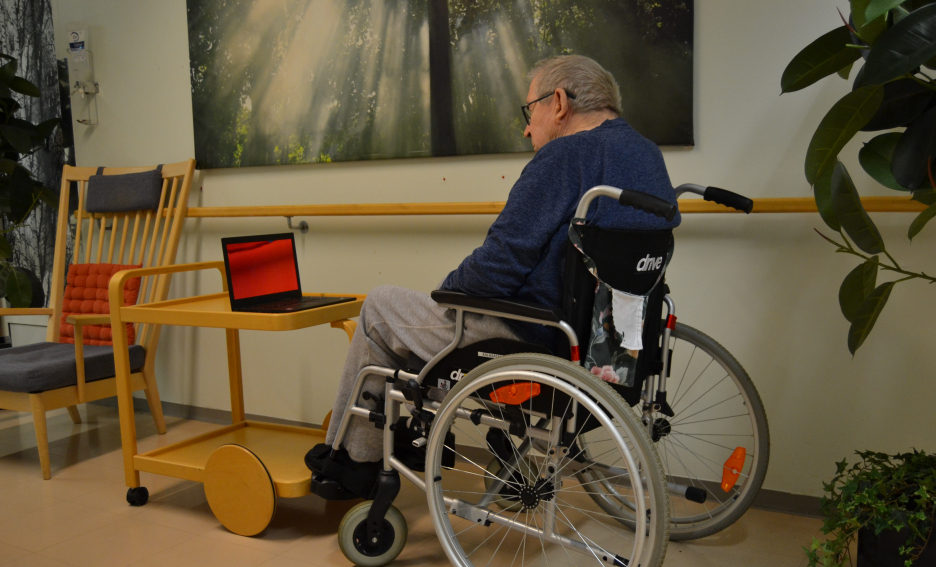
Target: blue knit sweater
x=522 y=256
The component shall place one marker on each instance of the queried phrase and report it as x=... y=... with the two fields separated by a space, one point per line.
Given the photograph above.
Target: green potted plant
x=891 y=92
x=20 y=191
x=886 y=502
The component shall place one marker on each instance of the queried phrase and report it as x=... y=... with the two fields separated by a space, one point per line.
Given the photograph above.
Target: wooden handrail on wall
x=778 y=205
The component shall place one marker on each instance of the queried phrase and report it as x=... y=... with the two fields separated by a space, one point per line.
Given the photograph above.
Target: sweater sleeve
x=539 y=204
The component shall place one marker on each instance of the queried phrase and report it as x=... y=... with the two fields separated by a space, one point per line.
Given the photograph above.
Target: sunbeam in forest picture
x=303 y=81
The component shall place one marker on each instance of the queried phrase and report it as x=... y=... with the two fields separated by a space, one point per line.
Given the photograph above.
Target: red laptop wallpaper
x=262 y=268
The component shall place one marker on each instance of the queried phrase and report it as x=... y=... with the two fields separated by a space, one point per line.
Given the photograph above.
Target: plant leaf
x=7 y=165
x=822 y=191
x=918 y=223
x=18 y=289
x=868 y=28
x=848 y=209
x=5 y=270
x=846 y=70
x=880 y=7
x=926 y=196
x=902 y=48
x=5 y=249
x=875 y=158
x=856 y=287
x=7 y=72
x=18 y=138
x=46 y=128
x=21 y=194
x=818 y=60
x=840 y=124
x=917 y=145
x=22 y=86
x=867 y=316
x=904 y=100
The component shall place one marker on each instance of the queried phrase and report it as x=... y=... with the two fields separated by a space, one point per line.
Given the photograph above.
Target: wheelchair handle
x=636 y=199
x=720 y=196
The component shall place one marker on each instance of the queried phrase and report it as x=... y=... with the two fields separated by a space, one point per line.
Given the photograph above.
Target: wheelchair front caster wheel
x=137 y=496
x=352 y=537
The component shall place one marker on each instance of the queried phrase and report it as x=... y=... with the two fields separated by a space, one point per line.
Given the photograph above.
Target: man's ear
x=562 y=106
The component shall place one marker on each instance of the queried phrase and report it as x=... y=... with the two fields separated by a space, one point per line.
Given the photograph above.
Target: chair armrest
x=118 y=280
x=9 y=311
x=510 y=308
x=79 y=320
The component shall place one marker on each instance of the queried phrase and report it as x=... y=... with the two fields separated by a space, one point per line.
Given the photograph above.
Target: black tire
x=693 y=454
x=137 y=496
x=352 y=535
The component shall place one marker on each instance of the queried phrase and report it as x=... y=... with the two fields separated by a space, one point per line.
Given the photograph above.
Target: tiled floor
x=81 y=518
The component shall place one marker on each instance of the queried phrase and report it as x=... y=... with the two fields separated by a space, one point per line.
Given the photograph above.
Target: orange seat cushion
x=86 y=294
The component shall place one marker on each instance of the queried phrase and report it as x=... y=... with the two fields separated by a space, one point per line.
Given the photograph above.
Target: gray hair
x=594 y=87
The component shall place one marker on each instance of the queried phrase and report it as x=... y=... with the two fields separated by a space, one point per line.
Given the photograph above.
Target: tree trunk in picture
x=440 y=80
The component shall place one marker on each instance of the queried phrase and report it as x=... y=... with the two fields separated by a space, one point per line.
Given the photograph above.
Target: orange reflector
x=515 y=393
x=732 y=469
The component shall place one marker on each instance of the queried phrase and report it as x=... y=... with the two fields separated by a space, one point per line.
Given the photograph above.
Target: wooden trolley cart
x=247 y=464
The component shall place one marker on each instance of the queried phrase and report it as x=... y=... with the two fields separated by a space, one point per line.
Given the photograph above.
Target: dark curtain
x=26 y=33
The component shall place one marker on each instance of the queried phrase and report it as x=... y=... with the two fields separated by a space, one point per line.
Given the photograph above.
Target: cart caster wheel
x=137 y=496
x=239 y=490
x=352 y=537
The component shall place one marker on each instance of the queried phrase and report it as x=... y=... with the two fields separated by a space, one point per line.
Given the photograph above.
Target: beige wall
x=765 y=286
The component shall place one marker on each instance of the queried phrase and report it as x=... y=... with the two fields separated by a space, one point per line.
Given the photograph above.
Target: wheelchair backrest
x=630 y=261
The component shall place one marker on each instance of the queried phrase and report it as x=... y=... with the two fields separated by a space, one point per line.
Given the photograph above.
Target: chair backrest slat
x=79 y=214
x=153 y=246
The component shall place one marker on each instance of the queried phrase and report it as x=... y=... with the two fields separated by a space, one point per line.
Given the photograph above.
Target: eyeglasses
x=525 y=109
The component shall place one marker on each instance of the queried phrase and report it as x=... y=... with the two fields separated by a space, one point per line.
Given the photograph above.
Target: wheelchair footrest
x=330 y=489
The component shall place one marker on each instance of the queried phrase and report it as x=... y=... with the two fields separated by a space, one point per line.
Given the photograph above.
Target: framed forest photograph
x=305 y=81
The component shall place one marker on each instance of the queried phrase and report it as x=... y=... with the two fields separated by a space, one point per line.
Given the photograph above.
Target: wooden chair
x=52 y=375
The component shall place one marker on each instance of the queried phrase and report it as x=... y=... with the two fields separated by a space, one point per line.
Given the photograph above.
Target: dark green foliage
x=880 y=492
x=856 y=287
x=849 y=211
x=821 y=58
x=895 y=39
x=20 y=192
x=876 y=157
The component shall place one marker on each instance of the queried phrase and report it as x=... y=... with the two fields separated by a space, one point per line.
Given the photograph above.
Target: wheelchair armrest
x=506 y=307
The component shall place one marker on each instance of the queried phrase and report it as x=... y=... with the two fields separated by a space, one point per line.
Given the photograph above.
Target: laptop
x=263 y=275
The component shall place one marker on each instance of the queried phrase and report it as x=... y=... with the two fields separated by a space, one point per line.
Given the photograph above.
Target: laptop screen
x=262 y=267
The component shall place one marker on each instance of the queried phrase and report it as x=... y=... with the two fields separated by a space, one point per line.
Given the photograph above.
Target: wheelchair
x=528 y=456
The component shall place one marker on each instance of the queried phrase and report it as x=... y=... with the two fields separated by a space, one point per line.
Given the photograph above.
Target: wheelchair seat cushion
x=47 y=366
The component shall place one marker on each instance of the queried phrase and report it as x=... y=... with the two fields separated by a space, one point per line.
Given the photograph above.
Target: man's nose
x=526 y=132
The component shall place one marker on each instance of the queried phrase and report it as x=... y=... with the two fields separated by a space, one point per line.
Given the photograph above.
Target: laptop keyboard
x=286 y=304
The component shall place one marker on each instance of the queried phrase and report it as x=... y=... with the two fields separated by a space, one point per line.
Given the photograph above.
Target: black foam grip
x=696 y=494
x=648 y=203
x=729 y=199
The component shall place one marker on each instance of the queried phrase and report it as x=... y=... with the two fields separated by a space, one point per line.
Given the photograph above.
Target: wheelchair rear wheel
x=718 y=440
x=526 y=396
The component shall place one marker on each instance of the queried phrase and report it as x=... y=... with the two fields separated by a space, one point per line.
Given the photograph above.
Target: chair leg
x=42 y=433
x=152 y=398
x=75 y=416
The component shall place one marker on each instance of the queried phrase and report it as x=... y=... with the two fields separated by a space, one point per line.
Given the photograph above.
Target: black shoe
x=354 y=478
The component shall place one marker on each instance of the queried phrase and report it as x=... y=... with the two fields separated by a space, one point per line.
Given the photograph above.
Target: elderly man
x=573 y=119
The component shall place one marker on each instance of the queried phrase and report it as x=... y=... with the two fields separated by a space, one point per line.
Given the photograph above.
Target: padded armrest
x=506 y=307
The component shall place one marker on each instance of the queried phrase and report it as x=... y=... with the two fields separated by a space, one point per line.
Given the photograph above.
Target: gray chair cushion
x=126 y=192
x=46 y=366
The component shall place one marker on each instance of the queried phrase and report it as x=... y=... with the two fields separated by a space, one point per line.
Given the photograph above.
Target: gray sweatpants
x=395 y=322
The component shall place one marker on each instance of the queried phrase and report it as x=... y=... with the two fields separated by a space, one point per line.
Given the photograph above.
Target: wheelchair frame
x=394 y=396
